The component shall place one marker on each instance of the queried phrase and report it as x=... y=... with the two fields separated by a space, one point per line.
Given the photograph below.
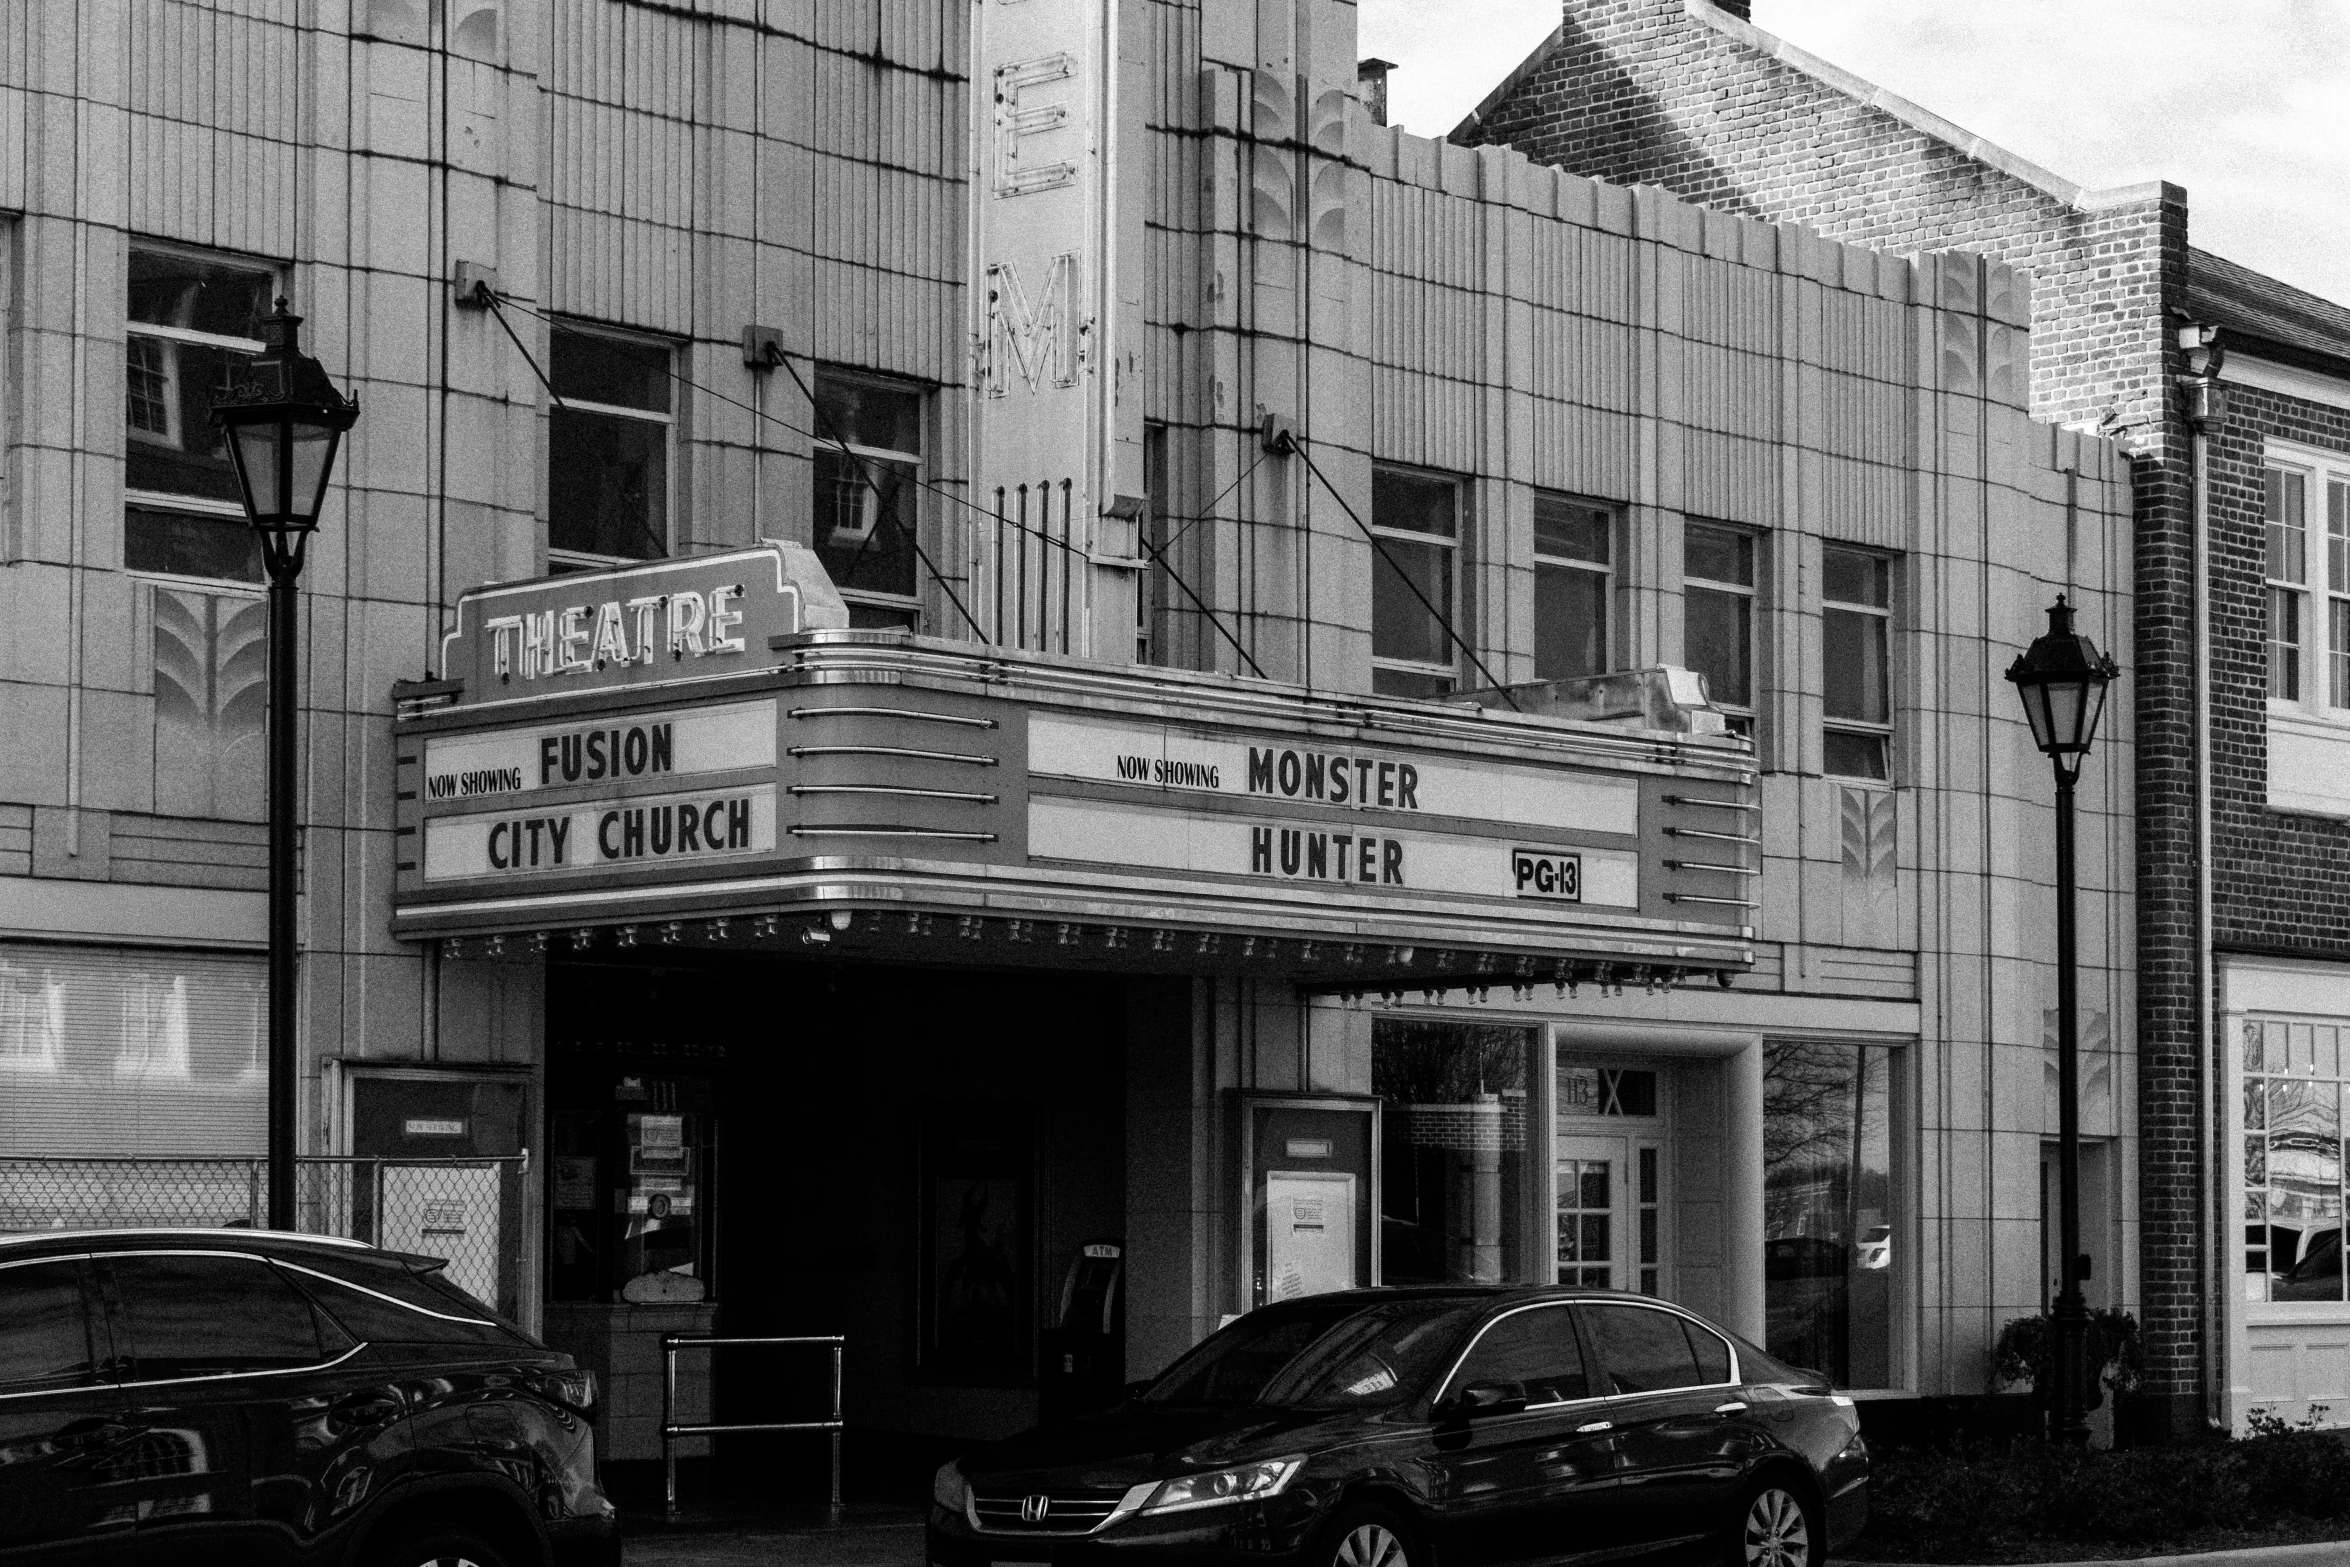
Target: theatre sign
x=676 y=754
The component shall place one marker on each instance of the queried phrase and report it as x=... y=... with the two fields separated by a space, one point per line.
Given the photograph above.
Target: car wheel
x=1365 y=1536
x=1777 y=1527
x=444 y=1546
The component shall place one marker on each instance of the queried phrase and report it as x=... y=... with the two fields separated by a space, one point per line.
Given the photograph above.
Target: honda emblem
x=1034 y=1508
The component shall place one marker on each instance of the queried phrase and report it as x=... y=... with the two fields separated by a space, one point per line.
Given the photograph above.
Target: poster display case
x=1309 y=1177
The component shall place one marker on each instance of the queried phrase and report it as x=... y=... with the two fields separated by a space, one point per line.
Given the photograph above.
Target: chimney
x=1373 y=75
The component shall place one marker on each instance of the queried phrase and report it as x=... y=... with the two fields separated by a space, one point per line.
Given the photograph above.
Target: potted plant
x=2025 y=1352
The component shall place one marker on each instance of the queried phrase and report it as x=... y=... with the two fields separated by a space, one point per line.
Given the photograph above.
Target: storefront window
x=1830 y=1231
x=1456 y=1165
x=2292 y=1161
x=629 y=1178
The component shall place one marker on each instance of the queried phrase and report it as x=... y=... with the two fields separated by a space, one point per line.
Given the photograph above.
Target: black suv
x=197 y=1395
x=1383 y=1428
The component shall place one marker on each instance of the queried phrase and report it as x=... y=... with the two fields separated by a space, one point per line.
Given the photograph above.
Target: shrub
x=2026 y=1352
x=1991 y=1503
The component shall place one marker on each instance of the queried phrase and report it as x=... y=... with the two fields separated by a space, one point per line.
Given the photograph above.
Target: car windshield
x=1320 y=1355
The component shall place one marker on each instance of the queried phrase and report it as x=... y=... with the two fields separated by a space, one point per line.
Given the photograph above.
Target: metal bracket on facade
x=762 y=347
x=477 y=285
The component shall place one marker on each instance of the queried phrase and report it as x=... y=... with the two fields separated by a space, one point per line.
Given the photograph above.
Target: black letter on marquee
x=664 y=750
x=738 y=824
x=1260 y=771
x=1407 y=787
x=1391 y=863
x=1260 y=850
x=632 y=834
x=1317 y=854
x=636 y=752
x=547 y=754
x=604 y=835
x=689 y=830
x=595 y=753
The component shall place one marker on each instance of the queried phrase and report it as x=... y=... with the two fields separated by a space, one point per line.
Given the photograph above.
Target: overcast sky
x=2246 y=103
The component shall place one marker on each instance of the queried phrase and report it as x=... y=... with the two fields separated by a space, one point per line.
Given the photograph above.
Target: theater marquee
x=879 y=796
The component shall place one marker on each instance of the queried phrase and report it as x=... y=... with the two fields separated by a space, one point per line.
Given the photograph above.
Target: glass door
x=1591 y=1217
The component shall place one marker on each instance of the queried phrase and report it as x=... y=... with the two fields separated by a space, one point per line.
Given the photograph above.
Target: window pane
x=1534 y=1351
x=1640 y=1350
x=1402 y=624
x=169 y=389
x=607 y=484
x=609 y=370
x=864 y=413
x=198 y=293
x=417 y=1313
x=1455 y=1165
x=190 y=546
x=1827 y=1204
x=1571 y=529
x=1410 y=683
x=1717 y=554
x=2284 y=644
x=1713 y=1352
x=865 y=514
x=2338 y=535
x=1854 y=666
x=2286 y=526
x=1853 y=577
x=1414 y=502
x=1717 y=639
x=47 y=1339
x=2338 y=652
x=1848 y=755
x=1570 y=622
x=205 y=1316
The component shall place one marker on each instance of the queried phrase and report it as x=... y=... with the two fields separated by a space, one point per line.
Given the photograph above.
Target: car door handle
x=1595 y=1427
x=368 y=1407
x=1733 y=1407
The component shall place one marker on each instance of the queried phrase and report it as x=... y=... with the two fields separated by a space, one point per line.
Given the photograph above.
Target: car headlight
x=1246 y=1483
x=948 y=1488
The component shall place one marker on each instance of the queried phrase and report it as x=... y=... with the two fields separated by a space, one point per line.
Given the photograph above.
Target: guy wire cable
x=1291 y=442
x=557 y=324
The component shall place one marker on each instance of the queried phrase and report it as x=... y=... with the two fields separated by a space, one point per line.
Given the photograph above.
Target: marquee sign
x=637 y=625
x=901 y=781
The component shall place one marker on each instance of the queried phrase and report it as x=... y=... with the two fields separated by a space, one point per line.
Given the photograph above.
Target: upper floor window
x=1856 y=618
x=188 y=330
x=1154 y=639
x=1574 y=557
x=868 y=485
x=610 y=449
x=1415 y=581
x=1717 y=615
x=2309 y=585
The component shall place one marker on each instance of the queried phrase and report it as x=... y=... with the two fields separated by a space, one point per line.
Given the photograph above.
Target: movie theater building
x=1089 y=663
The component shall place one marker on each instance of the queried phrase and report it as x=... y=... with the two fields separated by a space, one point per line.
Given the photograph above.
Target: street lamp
x=2062 y=679
x=284 y=421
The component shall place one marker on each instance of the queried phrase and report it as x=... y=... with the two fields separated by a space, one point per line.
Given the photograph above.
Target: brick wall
x=2278 y=879
x=1697 y=101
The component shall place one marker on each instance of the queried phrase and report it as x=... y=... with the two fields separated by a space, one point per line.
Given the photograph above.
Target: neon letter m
x=1041 y=341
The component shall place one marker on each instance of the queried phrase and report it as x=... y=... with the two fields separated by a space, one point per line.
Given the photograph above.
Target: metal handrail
x=671 y=1343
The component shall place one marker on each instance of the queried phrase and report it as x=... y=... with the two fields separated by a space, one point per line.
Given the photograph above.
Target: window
x=1456 y=1161
x=2292 y=1160
x=868 y=479
x=1574 y=549
x=1154 y=634
x=2287 y=581
x=110 y=1048
x=210 y=1315
x=609 y=449
x=1855 y=615
x=381 y=1302
x=190 y=325
x=1641 y=1349
x=1830 y=1233
x=1717 y=616
x=1415 y=577
x=1533 y=1352
x=47 y=1343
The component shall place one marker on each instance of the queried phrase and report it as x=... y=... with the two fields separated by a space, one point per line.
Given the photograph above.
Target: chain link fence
x=466 y=1211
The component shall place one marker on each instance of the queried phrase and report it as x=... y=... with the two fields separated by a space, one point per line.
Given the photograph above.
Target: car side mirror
x=1483 y=1400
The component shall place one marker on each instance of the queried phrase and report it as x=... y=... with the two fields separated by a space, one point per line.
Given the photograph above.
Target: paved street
x=867 y=1537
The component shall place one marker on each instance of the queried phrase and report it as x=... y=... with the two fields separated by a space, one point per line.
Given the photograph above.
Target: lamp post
x=284 y=421
x=2062 y=679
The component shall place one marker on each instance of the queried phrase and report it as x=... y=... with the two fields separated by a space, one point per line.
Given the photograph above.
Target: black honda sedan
x=1395 y=1427
x=236 y=1395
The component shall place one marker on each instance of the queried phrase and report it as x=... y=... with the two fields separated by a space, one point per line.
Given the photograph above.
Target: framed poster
x=1309 y=1191
x=978 y=1240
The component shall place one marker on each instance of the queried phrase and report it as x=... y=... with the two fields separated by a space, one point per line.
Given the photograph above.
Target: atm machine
x=1085 y=1348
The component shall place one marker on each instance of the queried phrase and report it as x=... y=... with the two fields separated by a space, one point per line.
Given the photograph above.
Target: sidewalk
x=866 y=1536
x=2314 y=1553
